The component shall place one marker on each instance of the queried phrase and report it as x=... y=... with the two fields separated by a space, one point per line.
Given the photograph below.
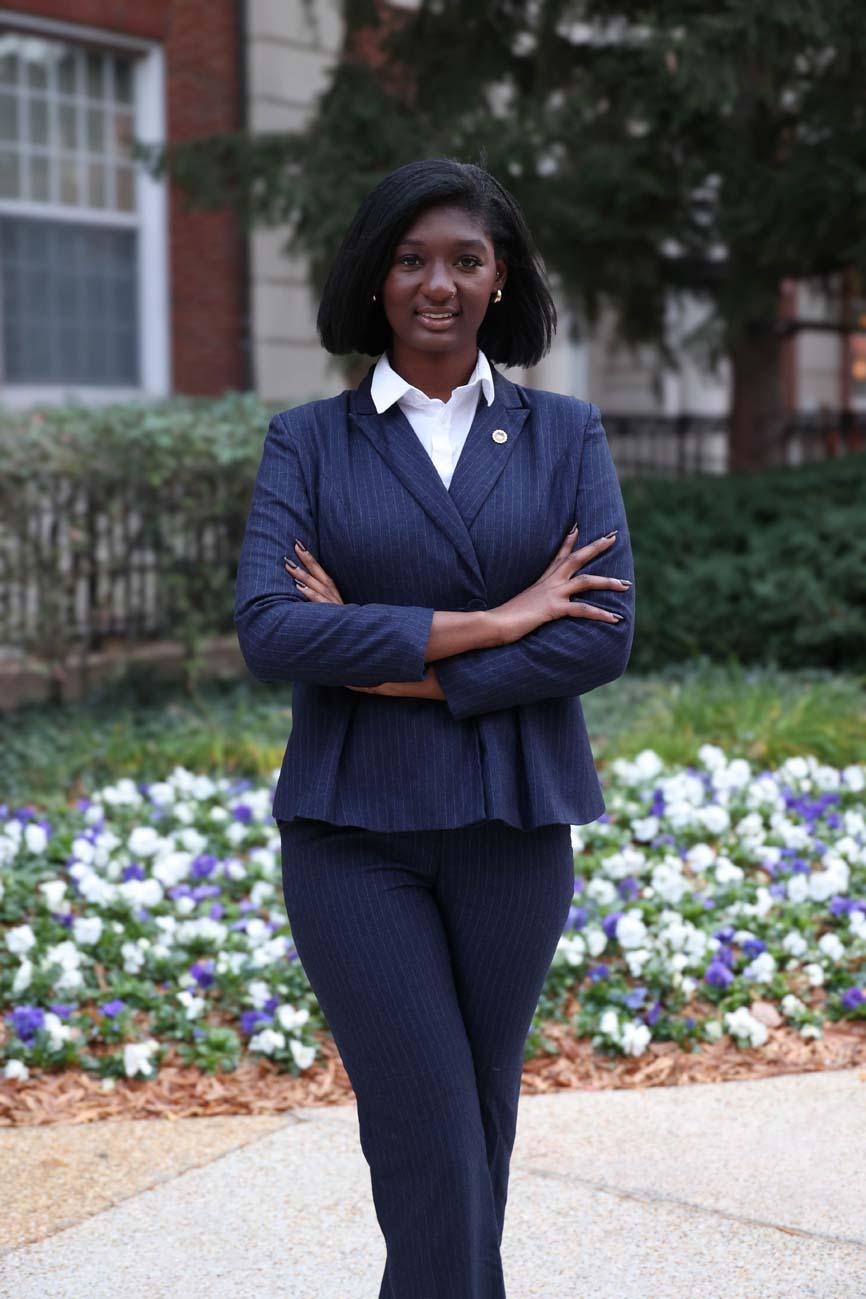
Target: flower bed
x=147 y=921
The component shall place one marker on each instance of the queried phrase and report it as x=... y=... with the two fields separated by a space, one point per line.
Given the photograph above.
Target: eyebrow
x=458 y=243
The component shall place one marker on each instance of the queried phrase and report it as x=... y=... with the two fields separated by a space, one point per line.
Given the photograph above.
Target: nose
x=438 y=283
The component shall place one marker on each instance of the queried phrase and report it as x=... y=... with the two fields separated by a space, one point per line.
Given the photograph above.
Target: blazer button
x=477 y=604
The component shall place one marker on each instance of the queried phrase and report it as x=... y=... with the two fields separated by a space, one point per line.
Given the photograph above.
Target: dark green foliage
x=762 y=568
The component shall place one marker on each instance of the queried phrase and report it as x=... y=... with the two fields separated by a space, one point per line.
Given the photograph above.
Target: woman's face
x=443 y=275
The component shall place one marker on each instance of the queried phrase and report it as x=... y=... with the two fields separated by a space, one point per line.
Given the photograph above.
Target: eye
x=472 y=261
x=408 y=259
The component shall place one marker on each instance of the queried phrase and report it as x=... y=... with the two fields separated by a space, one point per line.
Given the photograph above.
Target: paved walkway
x=751 y=1190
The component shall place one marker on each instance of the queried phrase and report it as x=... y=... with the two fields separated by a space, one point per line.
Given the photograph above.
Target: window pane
x=68 y=117
x=95 y=74
x=38 y=121
x=125 y=189
x=9 y=174
x=70 y=294
x=96 y=130
x=40 y=179
x=96 y=184
x=69 y=191
x=38 y=53
x=67 y=71
x=8 y=61
x=8 y=117
x=123 y=80
x=122 y=134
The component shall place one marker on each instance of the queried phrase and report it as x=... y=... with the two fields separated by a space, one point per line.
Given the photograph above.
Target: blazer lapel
x=479 y=464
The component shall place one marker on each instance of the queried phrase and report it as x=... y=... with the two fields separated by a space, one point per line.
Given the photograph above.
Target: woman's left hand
x=317 y=586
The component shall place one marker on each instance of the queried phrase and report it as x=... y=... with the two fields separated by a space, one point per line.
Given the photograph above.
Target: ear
x=501 y=274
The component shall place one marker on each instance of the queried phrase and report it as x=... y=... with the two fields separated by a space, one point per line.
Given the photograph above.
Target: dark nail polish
x=300 y=543
x=298 y=582
x=291 y=563
x=572 y=529
x=611 y=534
x=617 y=617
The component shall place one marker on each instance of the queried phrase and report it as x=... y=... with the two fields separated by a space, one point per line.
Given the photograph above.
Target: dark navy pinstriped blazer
x=359 y=490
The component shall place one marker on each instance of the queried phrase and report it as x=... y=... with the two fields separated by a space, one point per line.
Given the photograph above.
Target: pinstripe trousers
x=427 y=951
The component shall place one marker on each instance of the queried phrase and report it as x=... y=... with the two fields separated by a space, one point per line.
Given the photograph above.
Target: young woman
x=439 y=560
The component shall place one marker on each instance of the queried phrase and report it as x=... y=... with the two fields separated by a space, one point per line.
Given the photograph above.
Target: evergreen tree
x=657 y=149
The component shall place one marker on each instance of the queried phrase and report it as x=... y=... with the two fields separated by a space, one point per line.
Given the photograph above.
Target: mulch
x=257 y=1086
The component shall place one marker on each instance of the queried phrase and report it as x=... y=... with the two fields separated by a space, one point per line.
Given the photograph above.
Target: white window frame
x=150 y=219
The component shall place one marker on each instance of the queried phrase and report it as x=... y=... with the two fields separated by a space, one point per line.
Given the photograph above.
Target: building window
x=857 y=362
x=69 y=217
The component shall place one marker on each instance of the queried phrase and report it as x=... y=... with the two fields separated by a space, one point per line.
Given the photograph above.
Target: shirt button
x=476 y=604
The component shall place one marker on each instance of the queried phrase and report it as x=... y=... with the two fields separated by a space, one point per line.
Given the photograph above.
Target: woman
x=411 y=563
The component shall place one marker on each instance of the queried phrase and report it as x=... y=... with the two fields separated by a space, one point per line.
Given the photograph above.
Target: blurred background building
x=110 y=289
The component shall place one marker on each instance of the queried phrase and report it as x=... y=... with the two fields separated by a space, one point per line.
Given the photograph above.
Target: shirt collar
x=388 y=386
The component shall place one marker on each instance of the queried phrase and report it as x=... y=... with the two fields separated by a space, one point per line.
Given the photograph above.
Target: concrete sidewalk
x=751 y=1190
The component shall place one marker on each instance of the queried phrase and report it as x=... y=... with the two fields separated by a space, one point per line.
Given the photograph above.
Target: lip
x=437 y=323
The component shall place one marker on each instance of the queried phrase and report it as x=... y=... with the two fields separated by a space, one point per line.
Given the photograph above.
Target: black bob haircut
x=516 y=331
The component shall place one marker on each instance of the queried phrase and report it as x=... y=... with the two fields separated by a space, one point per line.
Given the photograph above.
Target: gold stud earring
x=497 y=297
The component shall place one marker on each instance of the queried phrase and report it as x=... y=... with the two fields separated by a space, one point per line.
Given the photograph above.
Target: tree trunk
x=758 y=416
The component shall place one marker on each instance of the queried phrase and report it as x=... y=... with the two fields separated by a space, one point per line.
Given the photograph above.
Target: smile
x=438 y=315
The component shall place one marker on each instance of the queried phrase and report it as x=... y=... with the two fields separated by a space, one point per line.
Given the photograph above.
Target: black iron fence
x=675 y=446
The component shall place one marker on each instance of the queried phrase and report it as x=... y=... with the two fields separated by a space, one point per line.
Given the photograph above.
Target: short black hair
x=516 y=331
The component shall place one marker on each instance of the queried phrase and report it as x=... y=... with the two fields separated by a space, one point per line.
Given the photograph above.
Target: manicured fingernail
x=291 y=563
x=298 y=582
x=572 y=529
x=611 y=534
x=623 y=582
x=300 y=543
x=617 y=617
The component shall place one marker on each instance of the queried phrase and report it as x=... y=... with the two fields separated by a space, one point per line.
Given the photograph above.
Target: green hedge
x=767 y=567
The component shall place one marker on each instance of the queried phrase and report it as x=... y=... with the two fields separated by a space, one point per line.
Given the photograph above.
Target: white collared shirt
x=441 y=426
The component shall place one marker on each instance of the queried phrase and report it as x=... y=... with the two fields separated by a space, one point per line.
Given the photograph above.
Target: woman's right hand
x=548 y=597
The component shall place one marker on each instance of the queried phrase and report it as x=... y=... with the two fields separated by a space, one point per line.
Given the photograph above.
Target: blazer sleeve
x=568 y=656
x=282 y=635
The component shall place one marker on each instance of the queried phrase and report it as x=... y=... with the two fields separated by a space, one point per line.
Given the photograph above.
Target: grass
x=145 y=726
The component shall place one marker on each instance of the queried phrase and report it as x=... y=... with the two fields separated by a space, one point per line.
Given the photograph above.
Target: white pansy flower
x=713 y=818
x=20 y=939
x=258 y=992
x=87 y=930
x=267 y=1041
x=855 y=777
x=571 y=949
x=631 y=930
x=290 y=1017
x=668 y=881
x=635 y=1037
x=811 y=1030
x=712 y=757
x=831 y=946
x=17 y=1070
x=601 y=891
x=742 y=1025
x=713 y=1030
x=133 y=955
x=35 y=838
x=795 y=943
x=608 y=1024
x=23 y=975
x=261 y=891
x=726 y=872
x=700 y=857
x=814 y=973
x=761 y=969
x=645 y=828
x=161 y=793
x=53 y=892
x=144 y=841
x=595 y=939
x=636 y=958
x=797 y=888
x=303 y=1055
x=172 y=868
x=577 y=839
x=792 y=1005
x=192 y=1005
x=138 y=1057
x=57 y=1031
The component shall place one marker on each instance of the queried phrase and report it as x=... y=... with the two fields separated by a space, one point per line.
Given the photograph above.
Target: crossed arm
x=389 y=649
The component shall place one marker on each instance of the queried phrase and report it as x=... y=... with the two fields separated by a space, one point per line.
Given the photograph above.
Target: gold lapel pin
x=499 y=435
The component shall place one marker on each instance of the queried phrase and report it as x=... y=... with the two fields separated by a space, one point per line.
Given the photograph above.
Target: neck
x=436 y=374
